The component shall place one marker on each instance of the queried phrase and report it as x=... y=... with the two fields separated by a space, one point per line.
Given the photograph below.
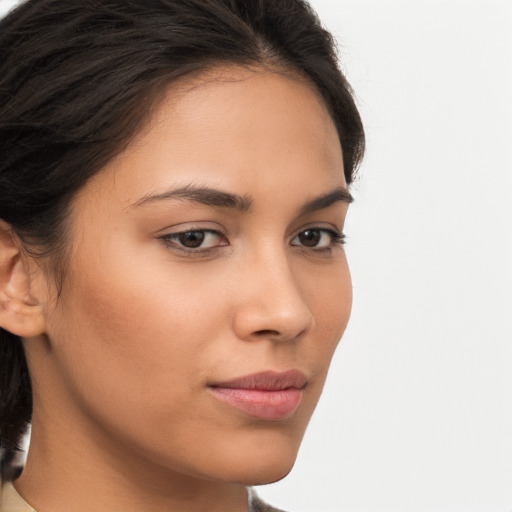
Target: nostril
x=266 y=332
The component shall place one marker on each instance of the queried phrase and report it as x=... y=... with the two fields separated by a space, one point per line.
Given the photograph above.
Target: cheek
x=127 y=332
x=329 y=296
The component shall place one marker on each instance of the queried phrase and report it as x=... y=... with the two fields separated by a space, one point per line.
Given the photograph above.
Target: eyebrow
x=340 y=194
x=218 y=198
x=203 y=195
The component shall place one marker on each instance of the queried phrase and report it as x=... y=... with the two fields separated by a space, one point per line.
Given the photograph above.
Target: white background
x=417 y=412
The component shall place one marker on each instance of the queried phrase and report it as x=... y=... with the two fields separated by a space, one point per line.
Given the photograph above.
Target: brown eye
x=195 y=240
x=310 y=237
x=318 y=238
x=191 y=239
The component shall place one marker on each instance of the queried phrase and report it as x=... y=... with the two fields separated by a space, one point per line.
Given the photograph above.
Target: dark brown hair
x=78 y=78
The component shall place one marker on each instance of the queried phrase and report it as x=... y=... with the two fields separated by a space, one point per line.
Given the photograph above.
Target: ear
x=20 y=312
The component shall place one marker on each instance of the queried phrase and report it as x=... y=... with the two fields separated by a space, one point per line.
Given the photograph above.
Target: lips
x=265 y=395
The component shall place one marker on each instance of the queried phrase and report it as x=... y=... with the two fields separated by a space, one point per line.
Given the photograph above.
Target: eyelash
x=172 y=240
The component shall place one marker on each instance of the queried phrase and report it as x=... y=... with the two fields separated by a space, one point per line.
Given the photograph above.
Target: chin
x=263 y=466
x=262 y=475
x=259 y=455
x=270 y=476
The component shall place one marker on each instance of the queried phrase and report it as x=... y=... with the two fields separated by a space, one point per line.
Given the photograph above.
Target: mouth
x=265 y=395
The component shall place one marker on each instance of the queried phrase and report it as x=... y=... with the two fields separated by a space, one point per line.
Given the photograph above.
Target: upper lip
x=266 y=381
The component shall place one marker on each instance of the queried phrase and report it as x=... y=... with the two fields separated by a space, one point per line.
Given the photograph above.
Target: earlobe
x=20 y=312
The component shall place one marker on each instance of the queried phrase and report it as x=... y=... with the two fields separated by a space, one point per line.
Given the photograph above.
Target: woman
x=174 y=181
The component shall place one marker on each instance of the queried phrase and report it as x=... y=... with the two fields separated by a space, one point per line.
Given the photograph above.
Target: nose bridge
x=273 y=304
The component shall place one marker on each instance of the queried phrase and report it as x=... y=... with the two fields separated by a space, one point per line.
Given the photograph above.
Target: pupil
x=192 y=239
x=309 y=238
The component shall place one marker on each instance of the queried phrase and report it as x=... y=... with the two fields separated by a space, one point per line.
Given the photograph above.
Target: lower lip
x=262 y=404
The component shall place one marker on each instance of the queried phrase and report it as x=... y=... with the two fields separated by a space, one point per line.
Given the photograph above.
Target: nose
x=270 y=303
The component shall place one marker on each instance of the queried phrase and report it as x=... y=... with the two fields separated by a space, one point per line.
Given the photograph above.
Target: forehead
x=232 y=128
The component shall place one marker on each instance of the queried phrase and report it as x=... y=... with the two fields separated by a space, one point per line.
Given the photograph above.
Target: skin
x=123 y=414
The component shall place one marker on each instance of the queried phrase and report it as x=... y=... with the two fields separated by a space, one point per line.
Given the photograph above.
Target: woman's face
x=207 y=252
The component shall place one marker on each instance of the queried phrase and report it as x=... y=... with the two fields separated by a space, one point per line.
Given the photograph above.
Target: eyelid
x=184 y=227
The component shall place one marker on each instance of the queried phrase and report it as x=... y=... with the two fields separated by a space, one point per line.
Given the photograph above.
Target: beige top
x=11 y=501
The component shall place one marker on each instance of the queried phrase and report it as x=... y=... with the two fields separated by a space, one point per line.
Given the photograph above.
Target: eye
x=199 y=239
x=318 y=238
